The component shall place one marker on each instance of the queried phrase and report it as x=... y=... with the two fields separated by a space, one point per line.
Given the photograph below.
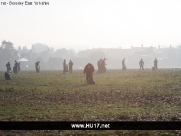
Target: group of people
x=88 y=70
x=67 y=68
x=141 y=64
x=16 y=68
x=101 y=66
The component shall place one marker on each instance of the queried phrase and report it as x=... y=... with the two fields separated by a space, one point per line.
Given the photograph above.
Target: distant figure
x=37 y=66
x=123 y=65
x=15 y=68
x=99 y=65
x=88 y=70
x=103 y=66
x=155 y=64
x=19 y=66
x=7 y=76
x=70 y=66
x=8 y=67
x=141 y=63
x=65 y=67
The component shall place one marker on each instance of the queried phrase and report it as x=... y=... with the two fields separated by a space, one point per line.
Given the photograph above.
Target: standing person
x=19 y=66
x=15 y=68
x=155 y=64
x=8 y=67
x=70 y=66
x=141 y=63
x=37 y=66
x=123 y=65
x=99 y=65
x=64 y=67
x=103 y=65
x=88 y=70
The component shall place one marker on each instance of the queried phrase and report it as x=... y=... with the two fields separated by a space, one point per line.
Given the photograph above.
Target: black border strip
x=89 y=125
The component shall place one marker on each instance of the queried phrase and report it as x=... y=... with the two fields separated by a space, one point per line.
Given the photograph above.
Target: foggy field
x=132 y=95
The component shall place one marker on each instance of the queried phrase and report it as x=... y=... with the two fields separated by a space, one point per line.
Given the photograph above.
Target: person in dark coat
x=141 y=63
x=155 y=64
x=88 y=70
x=15 y=68
x=37 y=66
x=70 y=66
x=7 y=76
x=99 y=66
x=8 y=67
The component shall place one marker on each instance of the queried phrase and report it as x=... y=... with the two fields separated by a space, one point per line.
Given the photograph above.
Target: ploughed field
x=132 y=95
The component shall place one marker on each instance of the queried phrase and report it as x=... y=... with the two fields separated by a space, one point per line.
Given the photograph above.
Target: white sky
x=85 y=24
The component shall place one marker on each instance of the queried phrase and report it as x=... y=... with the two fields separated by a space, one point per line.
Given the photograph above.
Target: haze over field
x=84 y=24
x=53 y=59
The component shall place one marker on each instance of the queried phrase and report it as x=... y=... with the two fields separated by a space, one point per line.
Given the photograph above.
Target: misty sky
x=93 y=23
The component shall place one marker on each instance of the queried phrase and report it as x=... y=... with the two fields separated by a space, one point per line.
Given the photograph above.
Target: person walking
x=123 y=65
x=141 y=63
